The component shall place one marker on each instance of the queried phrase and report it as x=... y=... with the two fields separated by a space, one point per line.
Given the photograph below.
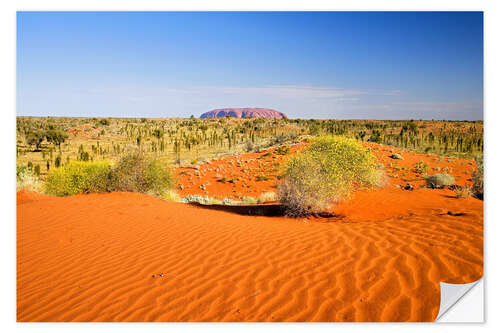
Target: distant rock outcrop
x=244 y=113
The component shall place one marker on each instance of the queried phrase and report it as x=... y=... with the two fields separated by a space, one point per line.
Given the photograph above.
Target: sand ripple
x=93 y=257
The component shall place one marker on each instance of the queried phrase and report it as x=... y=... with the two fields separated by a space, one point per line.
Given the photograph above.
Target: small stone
x=408 y=187
x=396 y=156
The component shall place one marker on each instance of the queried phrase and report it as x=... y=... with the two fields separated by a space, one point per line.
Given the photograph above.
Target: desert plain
x=378 y=255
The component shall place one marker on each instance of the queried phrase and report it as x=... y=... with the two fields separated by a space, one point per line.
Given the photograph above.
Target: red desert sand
x=131 y=257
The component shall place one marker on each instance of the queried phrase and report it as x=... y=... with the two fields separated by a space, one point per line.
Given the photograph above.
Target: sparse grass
x=26 y=179
x=421 y=168
x=249 y=201
x=267 y=197
x=463 y=191
x=204 y=200
x=171 y=195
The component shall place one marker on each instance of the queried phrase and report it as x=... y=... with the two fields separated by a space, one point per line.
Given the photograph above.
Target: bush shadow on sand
x=269 y=210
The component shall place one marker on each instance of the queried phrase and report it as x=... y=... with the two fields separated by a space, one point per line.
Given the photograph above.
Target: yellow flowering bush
x=132 y=173
x=78 y=177
x=325 y=173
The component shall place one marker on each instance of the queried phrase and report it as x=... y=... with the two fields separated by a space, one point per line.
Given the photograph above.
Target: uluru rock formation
x=244 y=113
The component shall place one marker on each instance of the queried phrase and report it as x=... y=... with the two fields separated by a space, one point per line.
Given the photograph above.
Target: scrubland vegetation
x=66 y=156
x=50 y=141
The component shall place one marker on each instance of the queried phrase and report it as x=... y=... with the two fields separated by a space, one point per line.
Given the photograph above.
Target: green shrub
x=440 y=180
x=326 y=172
x=137 y=173
x=133 y=173
x=79 y=177
x=477 y=179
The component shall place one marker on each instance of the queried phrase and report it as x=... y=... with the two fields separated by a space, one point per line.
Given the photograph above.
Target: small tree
x=104 y=122
x=158 y=134
x=35 y=138
x=57 y=137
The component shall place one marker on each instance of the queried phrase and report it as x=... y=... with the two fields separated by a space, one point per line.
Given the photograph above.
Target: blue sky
x=324 y=65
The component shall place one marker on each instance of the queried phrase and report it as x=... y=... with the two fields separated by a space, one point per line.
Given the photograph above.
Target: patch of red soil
x=402 y=172
x=86 y=130
x=236 y=176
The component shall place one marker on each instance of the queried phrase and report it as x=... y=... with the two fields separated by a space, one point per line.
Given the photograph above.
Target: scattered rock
x=440 y=180
x=408 y=187
x=396 y=156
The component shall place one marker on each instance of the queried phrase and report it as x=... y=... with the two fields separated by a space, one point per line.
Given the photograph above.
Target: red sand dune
x=244 y=113
x=131 y=257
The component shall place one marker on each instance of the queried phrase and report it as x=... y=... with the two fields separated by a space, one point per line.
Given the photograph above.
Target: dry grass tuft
x=268 y=197
x=464 y=191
